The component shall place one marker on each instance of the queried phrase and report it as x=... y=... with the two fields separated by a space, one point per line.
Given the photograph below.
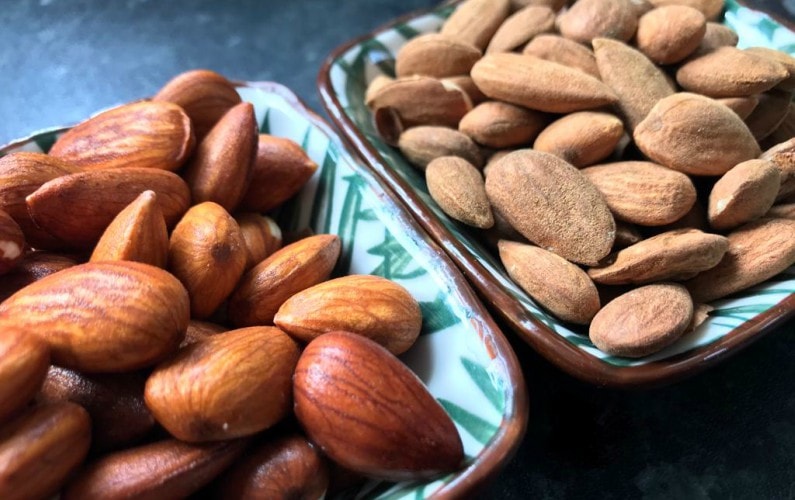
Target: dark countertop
x=727 y=433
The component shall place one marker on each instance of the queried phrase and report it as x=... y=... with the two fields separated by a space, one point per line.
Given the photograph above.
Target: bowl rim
x=504 y=444
x=549 y=344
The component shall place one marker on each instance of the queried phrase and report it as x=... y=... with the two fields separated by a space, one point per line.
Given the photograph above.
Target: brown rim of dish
x=549 y=344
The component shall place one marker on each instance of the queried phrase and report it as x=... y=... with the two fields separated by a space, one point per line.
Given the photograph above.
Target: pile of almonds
x=157 y=338
x=613 y=151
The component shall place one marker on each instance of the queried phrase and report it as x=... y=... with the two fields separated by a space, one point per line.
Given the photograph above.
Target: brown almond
x=743 y=106
x=200 y=330
x=581 y=138
x=757 y=251
x=770 y=113
x=695 y=218
x=421 y=145
x=670 y=256
x=457 y=187
x=436 y=55
x=782 y=58
x=12 y=243
x=710 y=8
x=261 y=237
x=372 y=306
x=716 y=35
x=496 y=124
x=24 y=359
x=730 y=72
x=422 y=100
x=783 y=211
x=33 y=266
x=520 y=27
x=374 y=86
x=476 y=21
x=744 y=193
x=589 y=19
x=672 y=135
x=555 y=5
x=144 y=134
x=552 y=204
x=642 y=321
x=561 y=50
x=557 y=284
x=670 y=33
x=782 y=155
x=465 y=83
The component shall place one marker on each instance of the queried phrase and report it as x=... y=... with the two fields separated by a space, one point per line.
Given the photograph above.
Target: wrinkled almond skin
x=458 y=188
x=436 y=55
x=41 y=448
x=34 y=266
x=12 y=243
x=670 y=256
x=115 y=403
x=280 y=170
x=782 y=155
x=369 y=413
x=422 y=100
x=143 y=134
x=372 y=306
x=497 y=124
x=204 y=95
x=552 y=204
x=289 y=270
x=757 y=251
x=589 y=19
x=73 y=310
x=744 y=193
x=561 y=50
x=581 y=138
x=670 y=33
x=421 y=145
x=672 y=135
x=261 y=236
x=77 y=208
x=476 y=21
x=520 y=27
x=557 y=284
x=229 y=385
x=165 y=469
x=221 y=168
x=137 y=233
x=730 y=72
x=24 y=359
x=643 y=192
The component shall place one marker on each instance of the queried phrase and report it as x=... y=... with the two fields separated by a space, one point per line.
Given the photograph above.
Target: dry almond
x=33 y=266
x=436 y=55
x=710 y=8
x=539 y=84
x=422 y=100
x=24 y=360
x=589 y=19
x=783 y=211
x=768 y=115
x=476 y=21
x=743 y=106
x=561 y=50
x=144 y=307
x=465 y=83
x=150 y=134
x=670 y=256
x=673 y=135
x=421 y=145
x=552 y=204
x=716 y=35
x=497 y=124
x=555 y=5
x=581 y=138
x=261 y=237
x=695 y=218
x=520 y=27
x=670 y=33
x=757 y=251
x=372 y=306
x=642 y=321
x=200 y=330
x=457 y=187
x=557 y=284
x=783 y=157
x=730 y=72
x=12 y=243
x=643 y=192
x=744 y=193
x=782 y=58
x=374 y=86
x=369 y=413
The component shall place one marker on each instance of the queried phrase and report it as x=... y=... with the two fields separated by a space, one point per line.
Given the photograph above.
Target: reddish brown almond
x=261 y=237
x=673 y=135
x=496 y=124
x=552 y=204
x=221 y=168
x=291 y=269
x=743 y=106
x=200 y=330
x=144 y=134
x=757 y=251
x=589 y=19
x=554 y=282
x=782 y=58
x=115 y=404
x=41 y=448
x=457 y=187
x=78 y=208
x=420 y=100
x=421 y=145
x=521 y=27
x=280 y=170
x=730 y=72
x=670 y=256
x=710 y=8
x=643 y=321
x=770 y=113
x=476 y=21
x=436 y=55
x=581 y=138
x=12 y=243
x=539 y=84
x=73 y=310
x=368 y=412
x=226 y=386
x=138 y=233
x=744 y=193
x=286 y=467
x=561 y=50
x=366 y=305
x=166 y=469
x=207 y=253
x=24 y=360
x=782 y=155
x=34 y=266
x=670 y=33
x=716 y=35
x=204 y=95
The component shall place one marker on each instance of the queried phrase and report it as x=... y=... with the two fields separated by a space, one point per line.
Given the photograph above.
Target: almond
x=33 y=266
x=23 y=364
x=589 y=19
x=148 y=134
x=561 y=50
x=374 y=86
x=782 y=58
x=422 y=100
x=757 y=251
x=710 y=8
x=642 y=321
x=458 y=188
x=783 y=211
x=200 y=330
x=716 y=35
x=368 y=412
x=496 y=124
x=436 y=55
x=743 y=106
x=261 y=237
x=465 y=83
x=12 y=243
x=73 y=310
x=670 y=33
x=730 y=72
x=744 y=193
x=421 y=145
x=557 y=284
x=782 y=155
x=476 y=21
x=581 y=138
x=229 y=385
x=520 y=27
x=769 y=114
x=555 y=5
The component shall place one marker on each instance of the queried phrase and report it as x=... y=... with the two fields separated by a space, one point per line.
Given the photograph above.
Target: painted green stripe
x=305 y=139
x=45 y=141
x=397 y=262
x=348 y=221
x=725 y=325
x=579 y=340
x=755 y=309
x=445 y=11
x=324 y=195
x=406 y=31
x=485 y=383
x=479 y=428
x=436 y=315
x=616 y=361
x=265 y=127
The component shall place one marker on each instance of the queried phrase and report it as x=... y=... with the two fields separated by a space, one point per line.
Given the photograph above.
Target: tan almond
x=642 y=321
x=200 y=330
x=695 y=218
x=261 y=236
x=422 y=100
x=421 y=145
x=557 y=284
x=670 y=33
x=710 y=8
x=552 y=204
x=672 y=135
x=12 y=243
x=496 y=124
x=783 y=211
x=743 y=106
x=24 y=359
x=436 y=55
x=555 y=5
x=671 y=256
x=716 y=35
x=520 y=27
x=782 y=58
x=150 y=134
x=589 y=19
x=458 y=188
x=476 y=21
x=582 y=138
x=561 y=50
x=34 y=266
x=744 y=193
x=374 y=87
x=730 y=72
x=757 y=251
x=467 y=84
x=782 y=155
x=770 y=113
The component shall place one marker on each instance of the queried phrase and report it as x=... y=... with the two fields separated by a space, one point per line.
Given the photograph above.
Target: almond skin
x=229 y=385
x=12 y=243
x=369 y=413
x=421 y=100
x=743 y=106
x=716 y=35
x=145 y=307
x=261 y=237
x=744 y=193
x=200 y=330
x=24 y=360
x=770 y=112
x=554 y=282
x=421 y=145
x=372 y=306
x=458 y=188
x=34 y=266
x=476 y=21
x=561 y=50
x=581 y=138
x=436 y=55
x=670 y=33
x=782 y=155
x=496 y=124
x=782 y=58
x=520 y=27
x=589 y=19
x=730 y=72
x=642 y=321
x=144 y=134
